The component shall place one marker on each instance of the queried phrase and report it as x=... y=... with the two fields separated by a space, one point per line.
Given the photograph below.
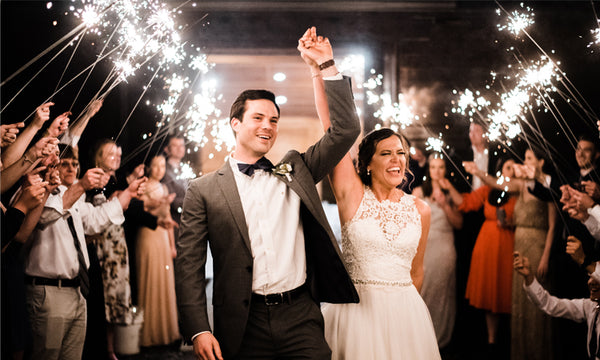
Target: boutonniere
x=283 y=169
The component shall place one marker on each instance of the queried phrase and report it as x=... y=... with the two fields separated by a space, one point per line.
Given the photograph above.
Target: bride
x=384 y=233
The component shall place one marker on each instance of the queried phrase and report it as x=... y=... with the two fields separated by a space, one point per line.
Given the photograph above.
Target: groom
x=275 y=256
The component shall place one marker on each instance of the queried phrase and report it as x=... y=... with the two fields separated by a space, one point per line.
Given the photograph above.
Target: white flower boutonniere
x=283 y=169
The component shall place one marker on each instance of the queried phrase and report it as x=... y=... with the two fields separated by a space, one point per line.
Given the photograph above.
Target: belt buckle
x=273 y=299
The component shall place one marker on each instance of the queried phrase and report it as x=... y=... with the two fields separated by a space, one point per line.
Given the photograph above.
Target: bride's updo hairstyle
x=367 y=147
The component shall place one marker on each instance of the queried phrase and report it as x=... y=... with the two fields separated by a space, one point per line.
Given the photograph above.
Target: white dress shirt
x=578 y=310
x=481 y=159
x=593 y=222
x=53 y=254
x=272 y=213
x=596 y=273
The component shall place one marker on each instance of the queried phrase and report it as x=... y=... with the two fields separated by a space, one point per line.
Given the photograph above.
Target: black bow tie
x=262 y=163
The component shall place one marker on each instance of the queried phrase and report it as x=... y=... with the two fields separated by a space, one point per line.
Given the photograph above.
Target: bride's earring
x=368 y=172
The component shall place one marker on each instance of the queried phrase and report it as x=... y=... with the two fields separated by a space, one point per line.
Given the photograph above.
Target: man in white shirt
x=57 y=261
x=275 y=256
x=578 y=310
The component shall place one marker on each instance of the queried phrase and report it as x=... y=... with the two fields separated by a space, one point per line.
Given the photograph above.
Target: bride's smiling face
x=388 y=163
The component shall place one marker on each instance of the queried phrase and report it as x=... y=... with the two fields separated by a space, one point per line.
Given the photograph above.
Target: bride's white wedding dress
x=391 y=321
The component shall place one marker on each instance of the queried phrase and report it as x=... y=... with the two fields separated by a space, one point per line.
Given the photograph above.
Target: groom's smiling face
x=257 y=132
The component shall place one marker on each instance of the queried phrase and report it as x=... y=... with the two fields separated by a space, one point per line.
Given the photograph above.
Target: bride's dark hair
x=367 y=147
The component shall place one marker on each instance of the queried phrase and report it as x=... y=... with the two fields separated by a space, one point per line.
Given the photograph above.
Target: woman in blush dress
x=439 y=283
x=155 y=253
x=384 y=234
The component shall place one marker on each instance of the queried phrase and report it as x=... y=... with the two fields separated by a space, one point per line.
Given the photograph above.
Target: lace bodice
x=381 y=240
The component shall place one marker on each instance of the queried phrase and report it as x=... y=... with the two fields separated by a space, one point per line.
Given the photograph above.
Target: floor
x=162 y=353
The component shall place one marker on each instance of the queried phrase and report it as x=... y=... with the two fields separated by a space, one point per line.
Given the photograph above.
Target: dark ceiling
x=438 y=45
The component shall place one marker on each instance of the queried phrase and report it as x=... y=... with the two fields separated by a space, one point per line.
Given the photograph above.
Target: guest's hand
x=167 y=223
x=471 y=167
x=59 y=125
x=542 y=269
x=52 y=178
x=565 y=194
x=93 y=179
x=582 y=199
x=522 y=171
x=46 y=146
x=137 y=188
x=31 y=197
x=33 y=177
x=577 y=204
x=445 y=184
x=592 y=189
x=137 y=173
x=439 y=197
x=169 y=198
x=8 y=133
x=575 y=249
x=206 y=347
x=95 y=107
x=42 y=114
x=151 y=204
x=522 y=266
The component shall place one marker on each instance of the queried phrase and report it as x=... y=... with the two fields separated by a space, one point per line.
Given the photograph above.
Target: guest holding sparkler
x=534 y=222
x=18 y=221
x=567 y=279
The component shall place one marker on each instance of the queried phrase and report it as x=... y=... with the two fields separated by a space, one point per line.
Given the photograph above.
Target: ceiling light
x=280 y=100
x=279 y=76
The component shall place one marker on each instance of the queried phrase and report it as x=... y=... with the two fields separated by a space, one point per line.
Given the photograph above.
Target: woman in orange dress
x=489 y=285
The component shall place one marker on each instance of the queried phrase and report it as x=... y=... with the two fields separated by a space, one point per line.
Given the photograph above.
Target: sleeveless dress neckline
x=391 y=321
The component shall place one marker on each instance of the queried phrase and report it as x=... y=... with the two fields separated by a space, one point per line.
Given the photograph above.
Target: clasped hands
x=316 y=50
x=576 y=203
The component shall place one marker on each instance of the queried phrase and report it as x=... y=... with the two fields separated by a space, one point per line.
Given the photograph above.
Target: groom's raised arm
x=324 y=155
x=190 y=277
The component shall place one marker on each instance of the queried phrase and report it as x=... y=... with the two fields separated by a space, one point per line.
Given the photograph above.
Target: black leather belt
x=280 y=298
x=36 y=280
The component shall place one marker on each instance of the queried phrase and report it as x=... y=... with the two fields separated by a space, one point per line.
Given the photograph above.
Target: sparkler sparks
x=398 y=114
x=595 y=36
x=186 y=172
x=530 y=84
x=517 y=21
x=146 y=33
x=435 y=144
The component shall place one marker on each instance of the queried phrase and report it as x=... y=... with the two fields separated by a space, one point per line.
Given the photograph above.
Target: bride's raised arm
x=345 y=182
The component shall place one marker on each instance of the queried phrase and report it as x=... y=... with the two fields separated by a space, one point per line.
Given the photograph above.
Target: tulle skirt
x=390 y=322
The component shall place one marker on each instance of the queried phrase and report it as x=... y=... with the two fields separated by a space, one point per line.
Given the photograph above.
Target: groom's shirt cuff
x=196 y=335
x=337 y=76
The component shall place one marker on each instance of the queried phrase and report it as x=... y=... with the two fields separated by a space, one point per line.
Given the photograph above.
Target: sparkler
x=517 y=21
x=435 y=144
x=534 y=81
x=596 y=36
x=397 y=115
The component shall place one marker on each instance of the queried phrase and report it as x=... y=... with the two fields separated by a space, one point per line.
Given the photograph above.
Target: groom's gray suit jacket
x=212 y=213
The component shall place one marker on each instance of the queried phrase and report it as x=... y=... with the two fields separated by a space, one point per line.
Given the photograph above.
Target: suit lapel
x=300 y=179
x=230 y=192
